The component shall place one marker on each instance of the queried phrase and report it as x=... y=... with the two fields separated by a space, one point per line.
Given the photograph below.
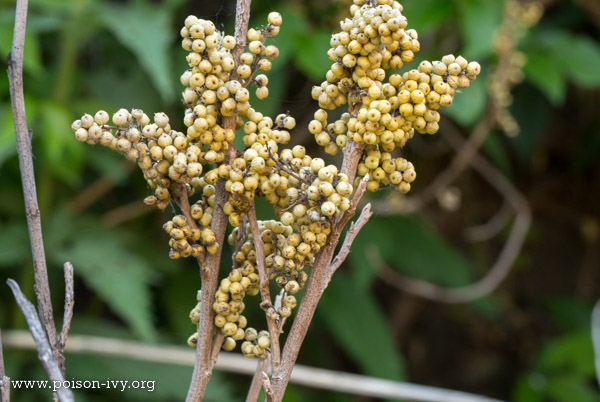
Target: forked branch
x=44 y=349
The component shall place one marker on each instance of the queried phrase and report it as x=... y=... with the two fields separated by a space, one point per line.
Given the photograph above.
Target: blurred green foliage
x=85 y=55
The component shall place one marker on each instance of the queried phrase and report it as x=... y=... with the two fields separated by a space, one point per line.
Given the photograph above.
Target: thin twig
x=68 y=313
x=216 y=348
x=96 y=190
x=235 y=363
x=355 y=227
x=266 y=382
x=360 y=191
x=596 y=338
x=265 y=294
x=44 y=349
x=34 y=222
x=506 y=258
x=125 y=213
x=257 y=379
x=4 y=380
x=491 y=228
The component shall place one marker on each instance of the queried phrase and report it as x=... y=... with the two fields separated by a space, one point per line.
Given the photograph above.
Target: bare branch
x=506 y=258
x=265 y=294
x=257 y=379
x=216 y=348
x=45 y=353
x=34 y=225
x=235 y=363
x=267 y=386
x=96 y=190
x=491 y=228
x=4 y=380
x=68 y=313
x=355 y=227
x=360 y=191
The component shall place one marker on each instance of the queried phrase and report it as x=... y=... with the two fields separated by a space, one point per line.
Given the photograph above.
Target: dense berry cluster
x=307 y=194
x=383 y=115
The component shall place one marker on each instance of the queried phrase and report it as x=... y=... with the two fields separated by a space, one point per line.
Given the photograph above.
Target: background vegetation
x=528 y=341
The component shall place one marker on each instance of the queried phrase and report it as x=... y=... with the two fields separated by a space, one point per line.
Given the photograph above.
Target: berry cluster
x=165 y=156
x=383 y=115
x=307 y=194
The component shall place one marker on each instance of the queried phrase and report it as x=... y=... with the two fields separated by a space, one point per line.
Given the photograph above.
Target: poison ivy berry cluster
x=308 y=194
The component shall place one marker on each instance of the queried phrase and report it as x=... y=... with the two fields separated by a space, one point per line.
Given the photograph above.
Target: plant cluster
x=308 y=195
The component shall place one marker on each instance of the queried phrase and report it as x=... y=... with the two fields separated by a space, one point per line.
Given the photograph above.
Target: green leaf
x=311 y=53
x=543 y=71
x=423 y=15
x=145 y=30
x=15 y=243
x=581 y=57
x=528 y=389
x=8 y=145
x=469 y=106
x=478 y=22
x=64 y=156
x=119 y=277
x=571 y=388
x=553 y=56
x=412 y=247
x=355 y=321
x=571 y=353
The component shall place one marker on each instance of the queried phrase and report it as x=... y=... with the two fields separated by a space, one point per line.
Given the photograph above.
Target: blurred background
x=532 y=117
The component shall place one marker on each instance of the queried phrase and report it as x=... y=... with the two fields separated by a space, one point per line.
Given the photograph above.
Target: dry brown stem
x=257 y=379
x=34 y=222
x=45 y=353
x=67 y=315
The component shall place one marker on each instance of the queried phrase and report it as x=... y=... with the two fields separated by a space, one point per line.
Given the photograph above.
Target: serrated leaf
x=412 y=247
x=64 y=156
x=145 y=30
x=478 y=22
x=119 y=277
x=355 y=321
